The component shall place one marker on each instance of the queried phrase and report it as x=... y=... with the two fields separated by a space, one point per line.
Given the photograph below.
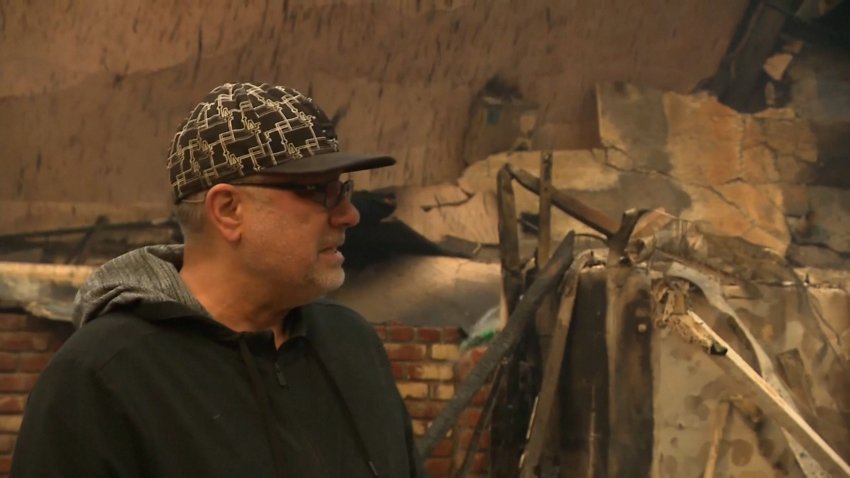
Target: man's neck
x=237 y=304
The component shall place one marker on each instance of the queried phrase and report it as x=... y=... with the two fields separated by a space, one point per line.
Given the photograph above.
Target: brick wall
x=427 y=363
x=26 y=344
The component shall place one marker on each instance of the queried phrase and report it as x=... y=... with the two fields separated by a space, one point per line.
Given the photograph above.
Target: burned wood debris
x=660 y=286
x=86 y=244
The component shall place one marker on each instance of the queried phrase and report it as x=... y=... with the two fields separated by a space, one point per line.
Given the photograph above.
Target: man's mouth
x=333 y=246
x=332 y=249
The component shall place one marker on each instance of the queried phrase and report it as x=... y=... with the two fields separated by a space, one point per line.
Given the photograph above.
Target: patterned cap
x=241 y=129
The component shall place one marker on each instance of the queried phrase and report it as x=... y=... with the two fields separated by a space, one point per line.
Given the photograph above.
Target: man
x=218 y=358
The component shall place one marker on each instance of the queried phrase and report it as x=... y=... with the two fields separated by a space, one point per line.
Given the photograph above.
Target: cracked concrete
x=746 y=175
x=736 y=175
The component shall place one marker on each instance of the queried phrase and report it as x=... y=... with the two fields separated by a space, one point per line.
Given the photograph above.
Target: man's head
x=242 y=129
x=256 y=176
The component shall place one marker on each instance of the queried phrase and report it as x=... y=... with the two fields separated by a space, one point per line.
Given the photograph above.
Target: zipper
x=349 y=416
x=281 y=380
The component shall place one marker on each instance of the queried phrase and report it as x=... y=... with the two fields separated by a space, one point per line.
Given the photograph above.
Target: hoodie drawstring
x=262 y=399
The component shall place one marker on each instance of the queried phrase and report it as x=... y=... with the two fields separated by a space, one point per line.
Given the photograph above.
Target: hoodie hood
x=142 y=276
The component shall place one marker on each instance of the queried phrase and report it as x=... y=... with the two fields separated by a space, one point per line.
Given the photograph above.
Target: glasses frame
x=328 y=200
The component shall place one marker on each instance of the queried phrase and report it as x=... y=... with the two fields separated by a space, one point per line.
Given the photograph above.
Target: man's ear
x=225 y=210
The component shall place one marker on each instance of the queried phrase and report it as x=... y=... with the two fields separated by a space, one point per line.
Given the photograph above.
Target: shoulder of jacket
x=98 y=341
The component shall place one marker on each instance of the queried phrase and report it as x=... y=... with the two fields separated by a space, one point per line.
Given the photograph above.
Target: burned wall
x=751 y=176
x=92 y=91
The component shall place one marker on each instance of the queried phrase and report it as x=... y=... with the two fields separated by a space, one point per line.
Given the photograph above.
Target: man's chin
x=330 y=280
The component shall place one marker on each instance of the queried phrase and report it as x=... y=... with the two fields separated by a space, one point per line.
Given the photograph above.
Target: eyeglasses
x=328 y=194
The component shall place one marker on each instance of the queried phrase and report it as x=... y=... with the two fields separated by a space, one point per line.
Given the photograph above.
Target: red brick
x=10 y=321
x=445 y=352
x=7 y=443
x=468 y=361
x=451 y=335
x=438 y=467
x=414 y=371
x=430 y=371
x=465 y=436
x=442 y=449
x=412 y=389
x=480 y=396
x=34 y=362
x=428 y=335
x=405 y=351
x=10 y=423
x=481 y=462
x=463 y=367
x=422 y=409
x=39 y=324
x=17 y=382
x=8 y=362
x=25 y=341
x=476 y=354
x=12 y=403
x=5 y=464
x=398 y=371
x=400 y=333
x=381 y=330
x=442 y=391
x=469 y=417
x=419 y=427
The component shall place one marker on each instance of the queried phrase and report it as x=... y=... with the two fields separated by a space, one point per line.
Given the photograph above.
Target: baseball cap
x=242 y=129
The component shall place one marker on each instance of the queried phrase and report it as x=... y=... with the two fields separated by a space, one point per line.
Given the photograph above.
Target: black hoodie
x=155 y=388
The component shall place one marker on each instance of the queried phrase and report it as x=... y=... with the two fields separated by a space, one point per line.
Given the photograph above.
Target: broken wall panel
x=443 y=212
x=809 y=322
x=700 y=144
x=688 y=388
x=733 y=175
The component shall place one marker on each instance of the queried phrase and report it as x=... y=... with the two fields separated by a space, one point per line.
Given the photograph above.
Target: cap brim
x=339 y=161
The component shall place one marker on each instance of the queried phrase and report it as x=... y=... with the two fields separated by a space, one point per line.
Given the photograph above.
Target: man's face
x=291 y=239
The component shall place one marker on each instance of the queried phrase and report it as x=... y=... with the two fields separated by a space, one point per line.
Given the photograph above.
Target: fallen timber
x=802 y=439
x=561 y=260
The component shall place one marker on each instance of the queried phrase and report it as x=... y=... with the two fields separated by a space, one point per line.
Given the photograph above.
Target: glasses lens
x=335 y=191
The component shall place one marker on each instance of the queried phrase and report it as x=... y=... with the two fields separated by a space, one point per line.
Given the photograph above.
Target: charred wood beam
x=544 y=231
x=629 y=351
x=78 y=256
x=544 y=324
x=618 y=241
x=43 y=290
x=583 y=388
x=129 y=226
x=554 y=270
x=516 y=386
x=486 y=414
x=541 y=427
x=545 y=320
x=508 y=241
x=592 y=217
x=630 y=393
x=740 y=72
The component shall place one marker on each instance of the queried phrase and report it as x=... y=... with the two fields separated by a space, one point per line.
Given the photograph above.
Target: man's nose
x=344 y=214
